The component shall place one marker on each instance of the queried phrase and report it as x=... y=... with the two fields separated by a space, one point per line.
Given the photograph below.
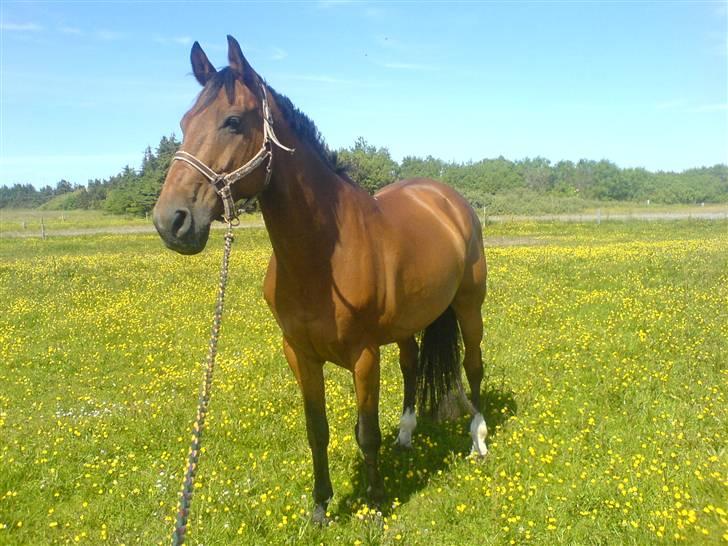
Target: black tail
x=438 y=369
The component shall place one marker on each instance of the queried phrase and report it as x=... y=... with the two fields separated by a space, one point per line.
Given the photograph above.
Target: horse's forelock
x=223 y=78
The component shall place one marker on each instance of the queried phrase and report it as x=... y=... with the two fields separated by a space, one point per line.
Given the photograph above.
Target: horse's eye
x=232 y=123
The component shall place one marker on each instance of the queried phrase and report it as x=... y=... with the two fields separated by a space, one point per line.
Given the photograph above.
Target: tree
x=371 y=167
x=537 y=174
x=498 y=184
x=414 y=167
x=63 y=186
x=565 y=178
x=136 y=193
x=20 y=196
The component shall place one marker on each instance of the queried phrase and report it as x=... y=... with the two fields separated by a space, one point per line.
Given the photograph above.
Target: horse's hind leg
x=408 y=365
x=467 y=309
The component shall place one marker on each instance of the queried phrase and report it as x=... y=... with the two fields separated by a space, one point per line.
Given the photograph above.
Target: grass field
x=18 y=221
x=627 y=208
x=605 y=394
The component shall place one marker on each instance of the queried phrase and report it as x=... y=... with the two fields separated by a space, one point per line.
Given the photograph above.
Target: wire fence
x=606 y=216
x=38 y=227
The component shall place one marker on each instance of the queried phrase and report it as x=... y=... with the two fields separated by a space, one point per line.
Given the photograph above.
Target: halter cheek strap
x=222 y=182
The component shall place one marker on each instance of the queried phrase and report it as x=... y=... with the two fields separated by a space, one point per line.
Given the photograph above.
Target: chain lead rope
x=185 y=498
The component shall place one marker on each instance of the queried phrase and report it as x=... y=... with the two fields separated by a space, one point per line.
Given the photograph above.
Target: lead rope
x=185 y=497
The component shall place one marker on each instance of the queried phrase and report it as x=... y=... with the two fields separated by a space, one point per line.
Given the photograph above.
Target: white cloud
x=104 y=34
x=318 y=79
x=715 y=107
x=178 y=40
x=20 y=27
x=279 y=54
x=682 y=105
x=62 y=158
x=374 y=12
x=364 y=8
x=409 y=66
x=717 y=43
x=671 y=104
x=70 y=30
x=333 y=3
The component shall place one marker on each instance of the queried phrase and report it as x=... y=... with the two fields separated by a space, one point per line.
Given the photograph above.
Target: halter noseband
x=222 y=182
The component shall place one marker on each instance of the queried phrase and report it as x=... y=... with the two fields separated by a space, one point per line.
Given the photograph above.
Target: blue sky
x=86 y=86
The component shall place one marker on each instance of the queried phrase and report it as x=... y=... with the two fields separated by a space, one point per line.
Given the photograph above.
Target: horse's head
x=222 y=131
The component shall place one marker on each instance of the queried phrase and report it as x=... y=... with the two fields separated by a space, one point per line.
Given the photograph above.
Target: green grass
x=65 y=201
x=605 y=393
x=30 y=219
x=643 y=207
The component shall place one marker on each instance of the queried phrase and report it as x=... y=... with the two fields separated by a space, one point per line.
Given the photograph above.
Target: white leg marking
x=478 y=431
x=407 y=424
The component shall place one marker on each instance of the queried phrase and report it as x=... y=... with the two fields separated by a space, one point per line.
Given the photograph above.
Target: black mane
x=300 y=123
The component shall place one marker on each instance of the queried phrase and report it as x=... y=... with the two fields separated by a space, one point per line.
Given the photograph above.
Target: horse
x=350 y=272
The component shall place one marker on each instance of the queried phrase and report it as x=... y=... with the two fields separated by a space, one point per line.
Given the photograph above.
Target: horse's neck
x=305 y=208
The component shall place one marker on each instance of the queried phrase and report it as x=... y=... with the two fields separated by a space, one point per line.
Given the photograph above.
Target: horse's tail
x=438 y=369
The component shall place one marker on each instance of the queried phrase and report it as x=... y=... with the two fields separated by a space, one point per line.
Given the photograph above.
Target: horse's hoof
x=407 y=424
x=478 y=432
x=477 y=454
x=319 y=516
x=403 y=445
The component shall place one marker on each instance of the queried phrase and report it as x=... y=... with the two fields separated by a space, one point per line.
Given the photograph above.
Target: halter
x=222 y=182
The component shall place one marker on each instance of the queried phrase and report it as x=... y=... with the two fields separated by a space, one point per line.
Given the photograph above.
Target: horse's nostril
x=180 y=223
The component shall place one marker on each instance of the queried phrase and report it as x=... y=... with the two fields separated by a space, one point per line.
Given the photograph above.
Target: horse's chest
x=325 y=335
x=319 y=318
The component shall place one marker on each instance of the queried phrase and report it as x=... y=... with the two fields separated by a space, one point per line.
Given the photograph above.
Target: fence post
x=599 y=216
x=42 y=229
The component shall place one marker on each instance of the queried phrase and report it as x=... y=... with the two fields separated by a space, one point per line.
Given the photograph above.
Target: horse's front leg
x=368 y=435
x=310 y=377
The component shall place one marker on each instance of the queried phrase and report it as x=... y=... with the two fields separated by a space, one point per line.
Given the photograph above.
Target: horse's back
x=434 y=244
x=437 y=197
x=429 y=208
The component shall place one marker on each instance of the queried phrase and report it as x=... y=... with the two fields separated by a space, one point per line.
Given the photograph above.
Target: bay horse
x=350 y=272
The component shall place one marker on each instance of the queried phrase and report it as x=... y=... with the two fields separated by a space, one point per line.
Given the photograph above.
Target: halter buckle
x=220 y=183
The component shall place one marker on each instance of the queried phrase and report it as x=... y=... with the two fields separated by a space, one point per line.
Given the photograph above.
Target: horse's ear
x=201 y=66
x=237 y=61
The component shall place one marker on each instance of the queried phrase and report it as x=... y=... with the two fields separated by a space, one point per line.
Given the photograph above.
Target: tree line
x=500 y=185
x=536 y=185
x=128 y=192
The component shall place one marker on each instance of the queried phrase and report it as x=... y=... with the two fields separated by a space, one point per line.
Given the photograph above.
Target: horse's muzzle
x=179 y=230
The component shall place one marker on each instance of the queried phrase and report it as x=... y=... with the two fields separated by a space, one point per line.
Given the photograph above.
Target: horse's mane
x=300 y=123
